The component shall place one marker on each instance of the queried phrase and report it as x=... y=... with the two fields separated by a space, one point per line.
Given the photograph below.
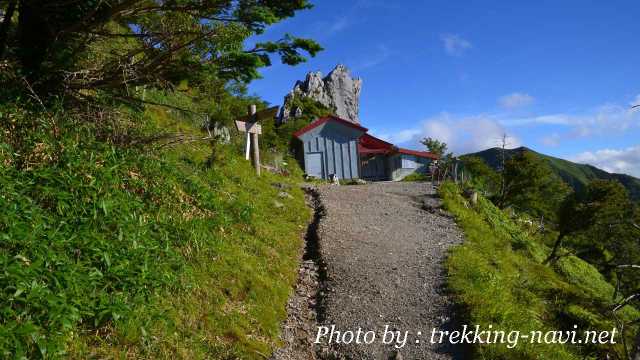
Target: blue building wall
x=331 y=148
x=404 y=165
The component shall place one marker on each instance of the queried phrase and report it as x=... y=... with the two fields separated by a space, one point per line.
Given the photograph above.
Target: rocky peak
x=338 y=90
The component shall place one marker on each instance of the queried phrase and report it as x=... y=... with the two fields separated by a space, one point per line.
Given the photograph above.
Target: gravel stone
x=374 y=257
x=384 y=258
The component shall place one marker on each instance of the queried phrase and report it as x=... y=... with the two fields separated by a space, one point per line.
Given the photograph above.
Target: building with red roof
x=331 y=146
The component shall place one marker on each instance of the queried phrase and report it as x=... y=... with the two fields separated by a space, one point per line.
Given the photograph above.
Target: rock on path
x=384 y=266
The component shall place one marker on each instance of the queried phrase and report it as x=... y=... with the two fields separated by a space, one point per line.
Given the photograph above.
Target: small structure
x=374 y=158
x=331 y=146
x=381 y=160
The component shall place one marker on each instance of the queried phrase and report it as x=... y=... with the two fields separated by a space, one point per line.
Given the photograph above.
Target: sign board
x=249 y=127
x=269 y=113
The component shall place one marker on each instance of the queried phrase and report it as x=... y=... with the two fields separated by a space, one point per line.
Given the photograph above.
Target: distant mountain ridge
x=576 y=175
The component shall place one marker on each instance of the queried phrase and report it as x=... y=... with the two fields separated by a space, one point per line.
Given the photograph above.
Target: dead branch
x=184 y=139
x=137 y=101
x=625 y=302
x=628 y=266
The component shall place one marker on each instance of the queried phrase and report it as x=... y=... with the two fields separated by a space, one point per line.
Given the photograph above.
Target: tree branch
x=141 y=35
x=625 y=302
x=138 y=101
x=184 y=139
x=628 y=266
x=90 y=17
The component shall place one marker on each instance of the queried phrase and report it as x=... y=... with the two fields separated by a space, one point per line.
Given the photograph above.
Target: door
x=314 y=165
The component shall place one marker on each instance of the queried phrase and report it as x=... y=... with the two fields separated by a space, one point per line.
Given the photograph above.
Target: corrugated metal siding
x=412 y=163
x=338 y=145
x=375 y=168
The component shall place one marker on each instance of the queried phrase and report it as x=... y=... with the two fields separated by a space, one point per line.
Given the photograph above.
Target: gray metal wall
x=398 y=172
x=375 y=168
x=337 y=146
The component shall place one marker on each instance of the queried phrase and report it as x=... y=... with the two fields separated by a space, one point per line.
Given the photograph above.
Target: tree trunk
x=556 y=247
x=34 y=38
x=4 y=30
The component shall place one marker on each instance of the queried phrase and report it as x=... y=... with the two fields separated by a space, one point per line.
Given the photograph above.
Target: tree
x=530 y=186
x=280 y=138
x=503 y=147
x=4 y=27
x=599 y=220
x=80 y=48
x=572 y=217
x=481 y=175
x=434 y=146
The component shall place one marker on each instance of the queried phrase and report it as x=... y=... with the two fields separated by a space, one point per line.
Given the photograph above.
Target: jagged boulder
x=338 y=90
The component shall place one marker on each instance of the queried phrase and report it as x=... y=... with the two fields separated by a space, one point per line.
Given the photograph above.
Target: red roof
x=422 y=154
x=325 y=119
x=367 y=144
x=370 y=145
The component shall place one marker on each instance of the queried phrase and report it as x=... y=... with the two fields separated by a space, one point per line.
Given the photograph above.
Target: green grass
x=498 y=278
x=416 y=177
x=115 y=252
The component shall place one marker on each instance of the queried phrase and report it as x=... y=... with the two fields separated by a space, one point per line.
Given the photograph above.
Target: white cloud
x=462 y=134
x=338 y=25
x=471 y=133
x=636 y=101
x=626 y=161
x=376 y=58
x=515 y=100
x=455 y=45
x=552 y=140
x=603 y=120
x=552 y=119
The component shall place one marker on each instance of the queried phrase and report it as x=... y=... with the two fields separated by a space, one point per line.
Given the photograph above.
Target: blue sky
x=556 y=76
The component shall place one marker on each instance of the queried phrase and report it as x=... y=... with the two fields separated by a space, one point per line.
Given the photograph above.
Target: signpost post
x=249 y=125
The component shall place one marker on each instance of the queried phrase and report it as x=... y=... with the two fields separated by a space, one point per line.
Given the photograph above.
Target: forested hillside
x=576 y=175
x=542 y=255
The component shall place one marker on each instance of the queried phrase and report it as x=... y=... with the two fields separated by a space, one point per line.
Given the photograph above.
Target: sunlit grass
x=498 y=278
x=116 y=252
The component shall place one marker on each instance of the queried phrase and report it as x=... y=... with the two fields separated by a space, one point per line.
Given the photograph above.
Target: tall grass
x=111 y=251
x=498 y=278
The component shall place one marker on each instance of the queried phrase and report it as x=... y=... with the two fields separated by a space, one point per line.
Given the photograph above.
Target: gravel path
x=383 y=255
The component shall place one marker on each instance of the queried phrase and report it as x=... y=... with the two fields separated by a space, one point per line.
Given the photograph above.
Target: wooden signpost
x=249 y=125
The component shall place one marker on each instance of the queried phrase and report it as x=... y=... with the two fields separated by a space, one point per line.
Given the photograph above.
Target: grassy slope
x=498 y=278
x=112 y=252
x=576 y=175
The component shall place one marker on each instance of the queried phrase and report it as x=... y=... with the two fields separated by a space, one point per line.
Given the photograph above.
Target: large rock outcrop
x=338 y=90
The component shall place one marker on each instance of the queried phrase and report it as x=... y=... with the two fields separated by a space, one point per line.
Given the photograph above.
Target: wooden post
x=474 y=198
x=254 y=142
x=250 y=125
